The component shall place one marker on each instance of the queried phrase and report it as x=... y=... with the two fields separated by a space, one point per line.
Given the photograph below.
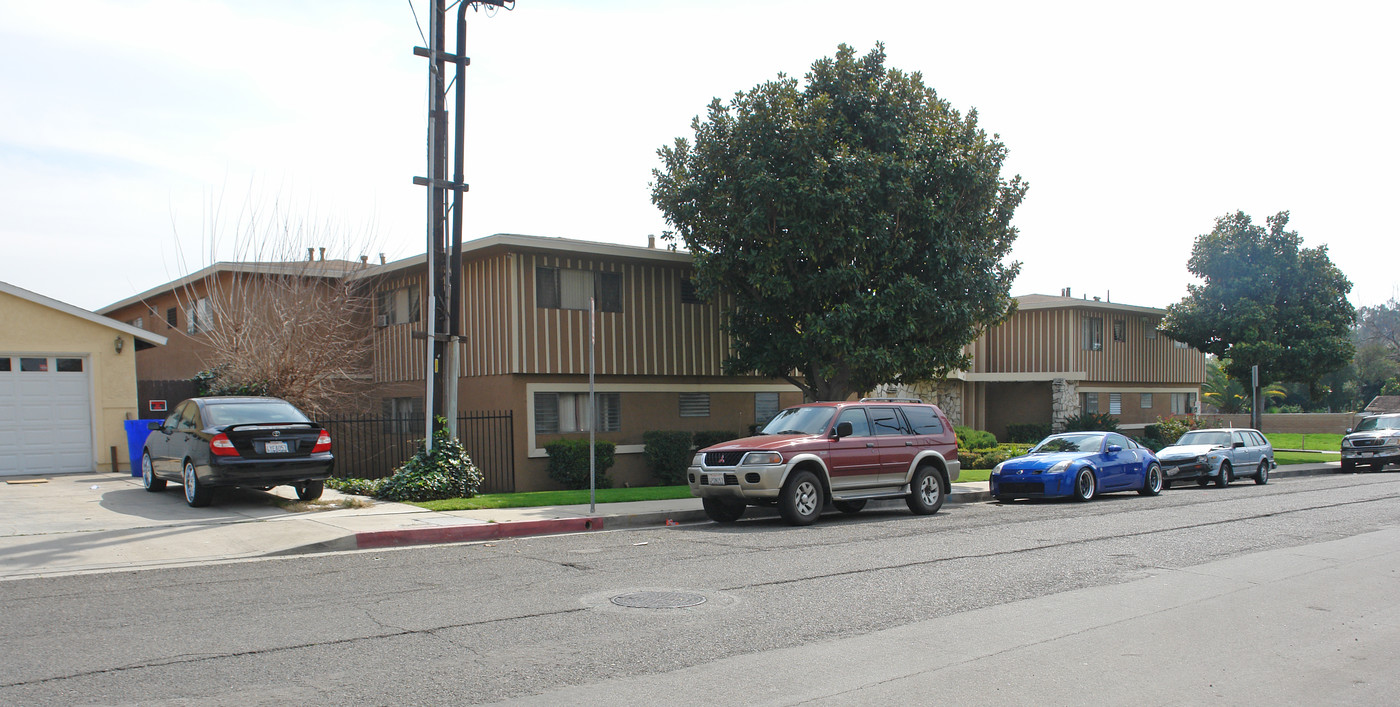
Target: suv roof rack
x=891 y=400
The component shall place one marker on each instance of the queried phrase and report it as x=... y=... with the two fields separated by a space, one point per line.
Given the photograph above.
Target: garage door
x=45 y=414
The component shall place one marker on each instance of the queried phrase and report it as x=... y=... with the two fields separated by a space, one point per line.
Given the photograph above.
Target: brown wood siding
x=397 y=355
x=486 y=308
x=654 y=334
x=1048 y=341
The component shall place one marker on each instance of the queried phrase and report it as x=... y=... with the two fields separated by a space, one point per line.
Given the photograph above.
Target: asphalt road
x=1241 y=595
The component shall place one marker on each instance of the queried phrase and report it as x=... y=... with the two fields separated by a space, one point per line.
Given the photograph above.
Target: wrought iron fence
x=372 y=446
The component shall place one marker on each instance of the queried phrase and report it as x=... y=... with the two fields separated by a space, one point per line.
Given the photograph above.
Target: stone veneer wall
x=946 y=394
x=1064 y=402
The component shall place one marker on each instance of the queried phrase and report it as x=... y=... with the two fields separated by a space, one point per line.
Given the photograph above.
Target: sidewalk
x=107 y=522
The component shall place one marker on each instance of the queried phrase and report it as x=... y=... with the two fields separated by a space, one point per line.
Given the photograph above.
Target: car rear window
x=242 y=413
x=924 y=420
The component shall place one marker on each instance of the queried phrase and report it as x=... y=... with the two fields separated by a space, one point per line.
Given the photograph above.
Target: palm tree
x=1230 y=396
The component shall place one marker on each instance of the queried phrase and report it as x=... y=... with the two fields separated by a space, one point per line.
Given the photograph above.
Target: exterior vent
x=381 y=320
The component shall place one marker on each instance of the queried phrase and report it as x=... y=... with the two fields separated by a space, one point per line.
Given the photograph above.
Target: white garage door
x=45 y=414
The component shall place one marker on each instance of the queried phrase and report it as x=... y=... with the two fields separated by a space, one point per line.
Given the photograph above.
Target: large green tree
x=1267 y=301
x=858 y=226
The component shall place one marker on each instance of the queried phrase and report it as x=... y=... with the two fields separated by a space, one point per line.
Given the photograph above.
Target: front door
x=853 y=460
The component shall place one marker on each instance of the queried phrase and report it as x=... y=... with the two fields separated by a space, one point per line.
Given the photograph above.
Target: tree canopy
x=1267 y=301
x=858 y=226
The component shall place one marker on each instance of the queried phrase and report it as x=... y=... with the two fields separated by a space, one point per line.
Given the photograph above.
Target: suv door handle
x=869 y=445
x=908 y=443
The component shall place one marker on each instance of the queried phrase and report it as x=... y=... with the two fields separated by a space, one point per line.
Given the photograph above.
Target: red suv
x=846 y=453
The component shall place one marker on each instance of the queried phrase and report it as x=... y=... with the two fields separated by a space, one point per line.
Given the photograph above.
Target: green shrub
x=707 y=438
x=668 y=453
x=358 y=487
x=445 y=472
x=1171 y=429
x=1028 y=432
x=568 y=462
x=1089 y=421
x=969 y=438
x=988 y=458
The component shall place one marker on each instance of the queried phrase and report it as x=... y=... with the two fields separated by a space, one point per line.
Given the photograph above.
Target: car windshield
x=1221 y=439
x=1070 y=443
x=242 y=413
x=800 y=421
x=1378 y=423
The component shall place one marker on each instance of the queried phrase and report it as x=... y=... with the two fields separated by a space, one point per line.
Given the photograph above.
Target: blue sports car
x=1078 y=464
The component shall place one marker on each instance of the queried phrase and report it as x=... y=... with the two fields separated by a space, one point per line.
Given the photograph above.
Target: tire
x=1151 y=481
x=800 y=501
x=1166 y=485
x=1223 y=478
x=1085 y=485
x=196 y=495
x=310 y=490
x=1261 y=476
x=148 y=474
x=925 y=491
x=723 y=510
x=1348 y=466
x=849 y=507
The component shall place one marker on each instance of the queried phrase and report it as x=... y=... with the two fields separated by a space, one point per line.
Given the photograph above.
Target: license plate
x=1367 y=454
x=716 y=479
x=275 y=448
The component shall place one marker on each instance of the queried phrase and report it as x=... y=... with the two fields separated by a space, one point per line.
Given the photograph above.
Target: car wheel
x=310 y=490
x=196 y=495
x=1348 y=466
x=925 y=491
x=1261 y=476
x=148 y=474
x=1151 y=481
x=849 y=506
x=800 y=501
x=723 y=510
x=1223 y=478
x=1085 y=485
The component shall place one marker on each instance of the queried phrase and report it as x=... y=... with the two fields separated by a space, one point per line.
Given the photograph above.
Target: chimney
x=310 y=254
x=323 y=254
x=381 y=259
x=364 y=260
x=1108 y=295
x=651 y=240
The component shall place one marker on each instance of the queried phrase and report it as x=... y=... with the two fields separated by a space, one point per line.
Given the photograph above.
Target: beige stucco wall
x=27 y=327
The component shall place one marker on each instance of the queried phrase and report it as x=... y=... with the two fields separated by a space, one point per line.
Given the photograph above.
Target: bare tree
x=281 y=319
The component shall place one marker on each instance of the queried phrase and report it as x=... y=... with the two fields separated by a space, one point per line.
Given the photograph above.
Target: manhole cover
x=658 y=600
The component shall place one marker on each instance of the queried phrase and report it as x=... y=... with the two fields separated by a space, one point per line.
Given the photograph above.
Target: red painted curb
x=476 y=531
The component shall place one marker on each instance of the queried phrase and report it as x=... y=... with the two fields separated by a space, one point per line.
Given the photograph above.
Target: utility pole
x=444 y=324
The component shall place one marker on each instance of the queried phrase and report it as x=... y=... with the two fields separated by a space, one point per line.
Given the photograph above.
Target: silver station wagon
x=1218 y=456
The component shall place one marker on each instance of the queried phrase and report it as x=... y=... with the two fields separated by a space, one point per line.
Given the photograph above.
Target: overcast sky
x=130 y=131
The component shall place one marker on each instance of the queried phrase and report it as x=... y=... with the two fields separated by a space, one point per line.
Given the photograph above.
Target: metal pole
x=435 y=16
x=1256 y=418
x=592 y=416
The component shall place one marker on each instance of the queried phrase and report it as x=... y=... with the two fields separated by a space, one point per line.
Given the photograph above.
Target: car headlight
x=996 y=470
x=1346 y=443
x=1392 y=442
x=1058 y=467
x=699 y=460
x=757 y=458
x=1201 y=459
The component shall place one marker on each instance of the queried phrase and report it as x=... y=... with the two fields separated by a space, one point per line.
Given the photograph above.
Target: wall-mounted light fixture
x=118 y=344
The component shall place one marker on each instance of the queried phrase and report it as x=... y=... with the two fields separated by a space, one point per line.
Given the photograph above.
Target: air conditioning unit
x=381 y=320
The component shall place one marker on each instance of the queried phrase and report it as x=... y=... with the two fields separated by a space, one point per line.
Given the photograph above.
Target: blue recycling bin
x=136 y=431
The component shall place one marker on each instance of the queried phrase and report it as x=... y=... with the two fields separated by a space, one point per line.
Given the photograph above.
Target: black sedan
x=255 y=442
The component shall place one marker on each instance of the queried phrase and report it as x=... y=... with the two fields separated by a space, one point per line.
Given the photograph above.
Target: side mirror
x=1114 y=449
x=843 y=429
x=1348 y=430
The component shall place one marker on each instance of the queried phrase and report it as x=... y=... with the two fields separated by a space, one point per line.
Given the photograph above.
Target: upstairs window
x=398 y=306
x=688 y=293
x=1180 y=344
x=172 y=317
x=562 y=288
x=1120 y=330
x=1091 y=333
x=199 y=317
x=1149 y=328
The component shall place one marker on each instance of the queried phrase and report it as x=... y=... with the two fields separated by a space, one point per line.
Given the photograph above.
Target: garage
x=67 y=386
x=45 y=414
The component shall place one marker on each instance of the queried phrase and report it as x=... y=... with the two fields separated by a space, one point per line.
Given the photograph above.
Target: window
x=924 y=420
x=860 y=423
x=1180 y=344
x=138 y=322
x=1089 y=402
x=69 y=365
x=1149 y=328
x=765 y=408
x=200 y=317
x=688 y=294
x=568 y=412
x=1115 y=403
x=403 y=415
x=1091 y=334
x=1117 y=439
x=34 y=365
x=1183 y=403
x=1145 y=401
x=695 y=404
x=5 y=364
x=1120 y=330
x=171 y=319
x=887 y=421
x=559 y=288
x=399 y=306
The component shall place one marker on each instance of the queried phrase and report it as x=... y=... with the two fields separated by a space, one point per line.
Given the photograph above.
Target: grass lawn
x=974 y=475
x=556 y=498
x=1325 y=442
x=1304 y=457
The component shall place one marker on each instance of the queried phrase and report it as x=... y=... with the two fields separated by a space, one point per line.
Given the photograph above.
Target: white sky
x=126 y=127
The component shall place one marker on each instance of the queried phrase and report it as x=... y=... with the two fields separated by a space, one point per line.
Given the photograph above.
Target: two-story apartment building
x=1058 y=356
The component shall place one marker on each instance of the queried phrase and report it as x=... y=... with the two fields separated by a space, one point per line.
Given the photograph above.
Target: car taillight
x=323 y=443
x=220 y=446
